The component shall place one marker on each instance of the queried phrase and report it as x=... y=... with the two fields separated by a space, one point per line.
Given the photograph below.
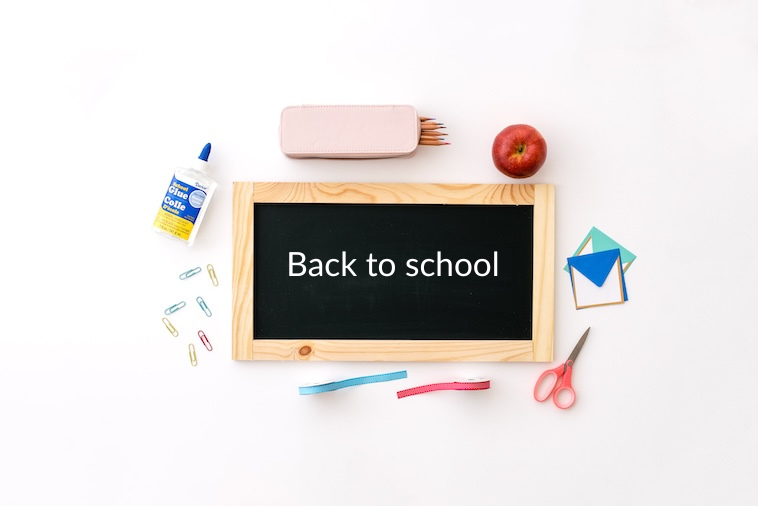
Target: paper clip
x=204 y=340
x=204 y=306
x=189 y=273
x=176 y=307
x=212 y=274
x=193 y=355
x=170 y=327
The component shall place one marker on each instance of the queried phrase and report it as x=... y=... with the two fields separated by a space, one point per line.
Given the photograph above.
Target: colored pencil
x=430 y=134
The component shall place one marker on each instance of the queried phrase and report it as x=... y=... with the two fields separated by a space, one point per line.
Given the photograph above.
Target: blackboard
x=399 y=301
x=392 y=272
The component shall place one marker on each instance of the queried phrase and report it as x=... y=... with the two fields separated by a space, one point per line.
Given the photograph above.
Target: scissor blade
x=578 y=347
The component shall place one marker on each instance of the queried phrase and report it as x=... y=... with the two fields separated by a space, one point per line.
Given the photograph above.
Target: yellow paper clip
x=212 y=274
x=189 y=273
x=193 y=355
x=204 y=306
x=176 y=307
x=170 y=327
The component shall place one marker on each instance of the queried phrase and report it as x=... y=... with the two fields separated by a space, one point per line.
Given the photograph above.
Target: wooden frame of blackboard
x=538 y=349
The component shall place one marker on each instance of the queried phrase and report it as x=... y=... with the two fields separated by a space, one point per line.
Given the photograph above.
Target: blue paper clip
x=189 y=273
x=176 y=307
x=204 y=306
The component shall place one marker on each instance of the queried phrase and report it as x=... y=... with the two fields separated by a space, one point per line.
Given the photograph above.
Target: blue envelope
x=597 y=279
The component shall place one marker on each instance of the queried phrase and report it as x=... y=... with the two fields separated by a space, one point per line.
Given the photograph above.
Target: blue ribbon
x=336 y=385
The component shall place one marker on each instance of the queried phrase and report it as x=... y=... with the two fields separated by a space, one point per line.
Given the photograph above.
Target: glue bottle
x=186 y=201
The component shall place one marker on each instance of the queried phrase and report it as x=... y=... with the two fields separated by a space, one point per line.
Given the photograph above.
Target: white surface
x=649 y=111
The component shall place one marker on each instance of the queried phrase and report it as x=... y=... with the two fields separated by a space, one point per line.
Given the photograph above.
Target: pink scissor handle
x=564 y=395
x=541 y=390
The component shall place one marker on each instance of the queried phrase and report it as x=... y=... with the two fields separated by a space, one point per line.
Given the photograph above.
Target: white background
x=649 y=110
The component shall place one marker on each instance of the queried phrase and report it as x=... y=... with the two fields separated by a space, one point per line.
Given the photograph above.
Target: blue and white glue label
x=180 y=208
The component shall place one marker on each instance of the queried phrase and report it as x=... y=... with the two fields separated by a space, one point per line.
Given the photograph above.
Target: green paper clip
x=189 y=273
x=193 y=355
x=212 y=274
x=204 y=306
x=170 y=327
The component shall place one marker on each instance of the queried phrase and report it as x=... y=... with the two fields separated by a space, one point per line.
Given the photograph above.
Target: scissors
x=560 y=389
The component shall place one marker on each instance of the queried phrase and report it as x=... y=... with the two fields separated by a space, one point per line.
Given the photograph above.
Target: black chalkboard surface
x=392 y=272
x=462 y=292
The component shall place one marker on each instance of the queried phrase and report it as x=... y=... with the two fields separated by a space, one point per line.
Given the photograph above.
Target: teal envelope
x=597 y=241
x=597 y=279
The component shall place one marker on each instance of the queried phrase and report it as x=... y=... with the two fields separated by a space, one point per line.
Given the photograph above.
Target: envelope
x=597 y=241
x=597 y=279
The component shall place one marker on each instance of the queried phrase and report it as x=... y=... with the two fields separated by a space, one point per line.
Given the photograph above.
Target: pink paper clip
x=204 y=340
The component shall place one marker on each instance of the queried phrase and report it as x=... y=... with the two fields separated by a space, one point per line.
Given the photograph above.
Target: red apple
x=519 y=151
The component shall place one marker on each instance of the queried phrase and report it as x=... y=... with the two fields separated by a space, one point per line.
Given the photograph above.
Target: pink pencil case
x=349 y=131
